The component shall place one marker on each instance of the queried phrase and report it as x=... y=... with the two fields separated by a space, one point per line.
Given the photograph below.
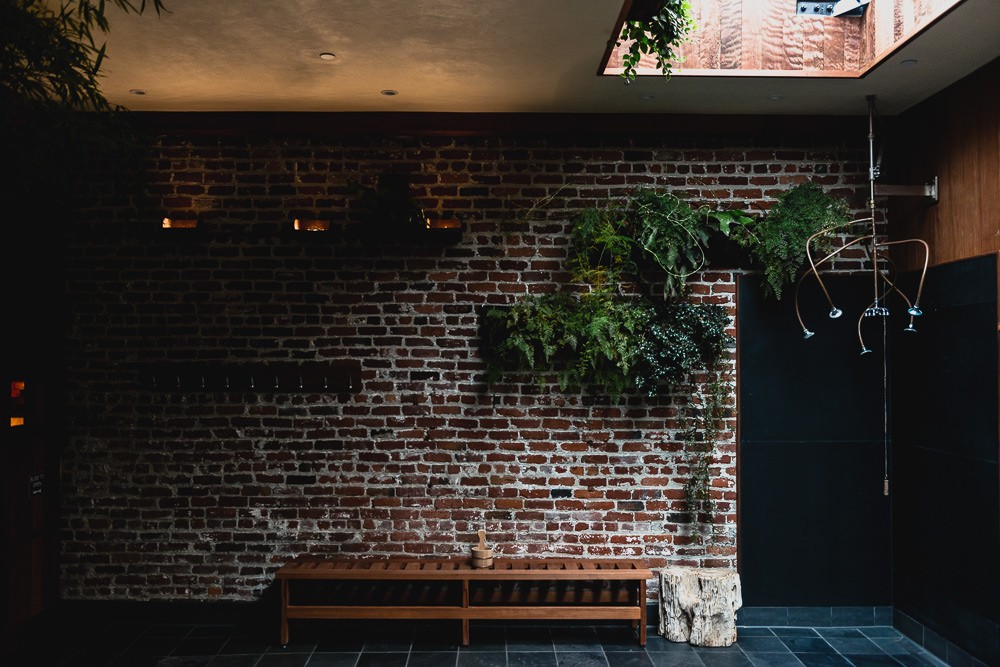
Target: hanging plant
x=602 y=341
x=659 y=33
x=597 y=336
x=652 y=231
x=778 y=239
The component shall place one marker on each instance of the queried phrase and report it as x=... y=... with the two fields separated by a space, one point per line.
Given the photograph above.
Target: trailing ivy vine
x=659 y=34
x=705 y=420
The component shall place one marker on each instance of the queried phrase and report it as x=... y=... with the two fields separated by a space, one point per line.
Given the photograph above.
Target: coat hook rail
x=329 y=377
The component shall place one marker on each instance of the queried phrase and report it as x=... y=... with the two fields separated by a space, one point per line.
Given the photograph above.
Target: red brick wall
x=195 y=494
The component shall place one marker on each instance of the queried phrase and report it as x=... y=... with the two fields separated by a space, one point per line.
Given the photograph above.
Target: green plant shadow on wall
x=617 y=332
x=54 y=119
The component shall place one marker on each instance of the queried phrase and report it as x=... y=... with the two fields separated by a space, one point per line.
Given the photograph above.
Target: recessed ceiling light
x=775 y=98
x=647 y=96
x=136 y=91
x=908 y=63
x=327 y=55
x=388 y=92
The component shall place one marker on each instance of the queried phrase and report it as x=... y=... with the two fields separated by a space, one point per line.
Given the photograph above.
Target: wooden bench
x=450 y=588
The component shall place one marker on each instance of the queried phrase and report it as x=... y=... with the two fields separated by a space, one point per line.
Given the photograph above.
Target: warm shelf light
x=311 y=225
x=180 y=223
x=17 y=403
x=444 y=223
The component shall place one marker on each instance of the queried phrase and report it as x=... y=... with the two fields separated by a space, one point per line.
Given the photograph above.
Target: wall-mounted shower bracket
x=926 y=190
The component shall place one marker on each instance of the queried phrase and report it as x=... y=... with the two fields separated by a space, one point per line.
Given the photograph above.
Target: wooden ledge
x=461 y=568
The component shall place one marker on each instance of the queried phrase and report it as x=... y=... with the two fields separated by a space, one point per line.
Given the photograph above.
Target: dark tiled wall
x=945 y=447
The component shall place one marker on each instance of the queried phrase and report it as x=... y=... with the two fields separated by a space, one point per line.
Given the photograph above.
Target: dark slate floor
x=92 y=643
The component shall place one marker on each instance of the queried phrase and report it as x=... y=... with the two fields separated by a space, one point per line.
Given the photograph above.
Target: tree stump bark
x=698 y=605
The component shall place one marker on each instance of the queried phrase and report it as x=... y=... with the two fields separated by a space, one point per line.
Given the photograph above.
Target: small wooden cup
x=482 y=557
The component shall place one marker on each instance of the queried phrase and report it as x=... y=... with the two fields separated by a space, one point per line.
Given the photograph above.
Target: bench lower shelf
x=615 y=590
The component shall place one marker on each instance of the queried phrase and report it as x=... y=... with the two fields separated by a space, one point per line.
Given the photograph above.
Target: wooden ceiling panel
x=769 y=37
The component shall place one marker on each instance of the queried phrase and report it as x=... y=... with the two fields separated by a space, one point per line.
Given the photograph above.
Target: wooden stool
x=698 y=605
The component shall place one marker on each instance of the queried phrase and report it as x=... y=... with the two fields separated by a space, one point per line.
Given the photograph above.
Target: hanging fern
x=778 y=239
x=603 y=341
x=670 y=234
x=653 y=231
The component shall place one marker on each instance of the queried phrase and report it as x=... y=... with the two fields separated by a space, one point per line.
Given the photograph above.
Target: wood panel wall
x=754 y=36
x=955 y=136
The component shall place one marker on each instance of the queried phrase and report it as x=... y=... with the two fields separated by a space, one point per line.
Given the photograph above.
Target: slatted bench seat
x=450 y=588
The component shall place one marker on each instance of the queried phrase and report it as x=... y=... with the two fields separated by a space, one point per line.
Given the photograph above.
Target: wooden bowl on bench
x=482 y=557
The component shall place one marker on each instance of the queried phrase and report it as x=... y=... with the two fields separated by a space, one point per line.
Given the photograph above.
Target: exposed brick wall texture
x=196 y=495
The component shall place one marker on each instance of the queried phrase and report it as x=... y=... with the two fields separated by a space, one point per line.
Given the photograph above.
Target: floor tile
x=628 y=659
x=568 y=640
x=199 y=646
x=795 y=632
x=823 y=660
x=917 y=660
x=873 y=660
x=854 y=646
x=336 y=660
x=770 y=644
x=840 y=632
x=896 y=645
x=185 y=661
x=785 y=659
x=487 y=638
x=753 y=631
x=531 y=659
x=728 y=659
x=807 y=645
x=581 y=659
x=880 y=631
x=283 y=660
x=381 y=660
x=529 y=639
x=482 y=659
x=236 y=660
x=658 y=644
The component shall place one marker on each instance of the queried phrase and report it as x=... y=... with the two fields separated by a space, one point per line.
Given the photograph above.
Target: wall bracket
x=927 y=190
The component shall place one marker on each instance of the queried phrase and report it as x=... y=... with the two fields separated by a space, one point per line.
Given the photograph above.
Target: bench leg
x=642 y=613
x=465 y=632
x=284 y=612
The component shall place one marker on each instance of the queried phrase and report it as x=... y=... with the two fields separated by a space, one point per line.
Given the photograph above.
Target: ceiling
x=477 y=56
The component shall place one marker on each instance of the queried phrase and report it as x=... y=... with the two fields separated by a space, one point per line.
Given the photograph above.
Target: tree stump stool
x=698 y=605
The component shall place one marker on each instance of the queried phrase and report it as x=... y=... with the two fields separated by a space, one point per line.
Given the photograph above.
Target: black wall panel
x=814 y=524
x=946 y=501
